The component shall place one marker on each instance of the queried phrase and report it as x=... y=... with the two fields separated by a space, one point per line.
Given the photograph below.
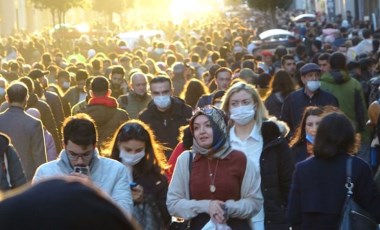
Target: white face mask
x=2 y=91
x=242 y=115
x=130 y=158
x=313 y=85
x=162 y=102
x=66 y=84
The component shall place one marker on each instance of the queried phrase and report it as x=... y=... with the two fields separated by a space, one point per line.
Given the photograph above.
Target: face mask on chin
x=242 y=115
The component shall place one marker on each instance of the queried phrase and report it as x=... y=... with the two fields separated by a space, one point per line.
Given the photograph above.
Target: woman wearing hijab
x=213 y=184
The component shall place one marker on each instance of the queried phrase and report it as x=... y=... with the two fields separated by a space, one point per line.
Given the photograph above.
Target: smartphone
x=132 y=185
x=82 y=170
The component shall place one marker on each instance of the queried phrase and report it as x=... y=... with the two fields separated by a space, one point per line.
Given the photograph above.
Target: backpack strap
x=5 y=167
x=349 y=183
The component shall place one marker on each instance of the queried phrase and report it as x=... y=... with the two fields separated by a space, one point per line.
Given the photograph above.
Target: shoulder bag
x=353 y=216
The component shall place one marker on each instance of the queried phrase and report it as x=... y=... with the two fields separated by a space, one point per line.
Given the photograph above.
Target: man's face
x=63 y=82
x=139 y=85
x=160 y=89
x=223 y=80
x=290 y=66
x=81 y=84
x=79 y=155
x=325 y=65
x=312 y=76
x=116 y=80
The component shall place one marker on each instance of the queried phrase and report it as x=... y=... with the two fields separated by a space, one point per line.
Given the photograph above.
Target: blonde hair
x=261 y=111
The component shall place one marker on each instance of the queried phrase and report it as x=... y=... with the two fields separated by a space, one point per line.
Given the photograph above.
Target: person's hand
x=216 y=211
x=80 y=176
x=138 y=194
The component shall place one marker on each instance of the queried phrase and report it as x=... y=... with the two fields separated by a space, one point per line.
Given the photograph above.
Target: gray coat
x=26 y=136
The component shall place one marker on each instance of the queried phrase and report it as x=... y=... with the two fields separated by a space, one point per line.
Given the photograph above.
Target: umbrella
x=274 y=32
x=305 y=18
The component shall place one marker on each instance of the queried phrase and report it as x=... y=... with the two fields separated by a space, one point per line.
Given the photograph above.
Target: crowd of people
x=201 y=125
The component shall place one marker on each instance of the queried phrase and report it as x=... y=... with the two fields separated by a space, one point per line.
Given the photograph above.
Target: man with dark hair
x=81 y=106
x=25 y=131
x=76 y=93
x=323 y=62
x=165 y=114
x=103 y=108
x=81 y=158
x=223 y=77
x=288 y=63
x=118 y=83
x=71 y=202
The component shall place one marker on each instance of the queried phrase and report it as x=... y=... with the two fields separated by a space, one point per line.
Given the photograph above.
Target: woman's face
x=312 y=123
x=132 y=146
x=203 y=131
x=239 y=99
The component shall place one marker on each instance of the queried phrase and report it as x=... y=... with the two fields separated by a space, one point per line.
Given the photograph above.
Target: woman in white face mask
x=135 y=146
x=262 y=140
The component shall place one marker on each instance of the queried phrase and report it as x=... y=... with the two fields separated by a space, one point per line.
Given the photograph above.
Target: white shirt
x=252 y=147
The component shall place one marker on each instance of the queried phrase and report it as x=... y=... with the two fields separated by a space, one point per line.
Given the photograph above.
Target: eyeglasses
x=75 y=156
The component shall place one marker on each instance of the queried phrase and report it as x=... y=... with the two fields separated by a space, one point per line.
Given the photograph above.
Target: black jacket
x=297 y=101
x=155 y=189
x=318 y=192
x=165 y=125
x=276 y=169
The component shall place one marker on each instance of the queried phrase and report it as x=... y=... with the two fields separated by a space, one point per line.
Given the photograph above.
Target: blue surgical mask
x=310 y=138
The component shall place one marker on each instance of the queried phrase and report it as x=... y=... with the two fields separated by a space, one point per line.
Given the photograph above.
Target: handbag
x=182 y=224
x=353 y=216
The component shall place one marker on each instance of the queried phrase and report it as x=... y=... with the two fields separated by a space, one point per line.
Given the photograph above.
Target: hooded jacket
x=349 y=94
x=107 y=117
x=276 y=169
x=114 y=182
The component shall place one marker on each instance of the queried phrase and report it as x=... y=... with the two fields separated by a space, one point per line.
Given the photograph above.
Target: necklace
x=212 y=175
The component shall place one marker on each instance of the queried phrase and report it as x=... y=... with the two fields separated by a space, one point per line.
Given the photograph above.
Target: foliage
x=62 y=5
x=109 y=7
x=59 y=7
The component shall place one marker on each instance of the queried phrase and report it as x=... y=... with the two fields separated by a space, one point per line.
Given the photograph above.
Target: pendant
x=212 y=188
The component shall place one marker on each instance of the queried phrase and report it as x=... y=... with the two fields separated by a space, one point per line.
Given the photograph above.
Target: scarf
x=104 y=100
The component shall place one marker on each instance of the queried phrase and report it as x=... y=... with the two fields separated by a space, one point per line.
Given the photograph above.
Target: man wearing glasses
x=80 y=158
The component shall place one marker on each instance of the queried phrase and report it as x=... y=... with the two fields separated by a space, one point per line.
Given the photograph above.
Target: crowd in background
x=203 y=92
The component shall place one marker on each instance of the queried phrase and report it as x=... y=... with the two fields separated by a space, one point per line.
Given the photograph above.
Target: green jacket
x=349 y=94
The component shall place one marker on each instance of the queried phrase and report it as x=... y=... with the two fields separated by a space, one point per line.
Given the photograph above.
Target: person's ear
x=109 y=91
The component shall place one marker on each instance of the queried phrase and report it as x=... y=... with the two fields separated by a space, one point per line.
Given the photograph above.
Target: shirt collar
x=255 y=134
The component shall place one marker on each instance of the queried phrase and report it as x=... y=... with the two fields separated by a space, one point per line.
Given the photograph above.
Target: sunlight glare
x=185 y=9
